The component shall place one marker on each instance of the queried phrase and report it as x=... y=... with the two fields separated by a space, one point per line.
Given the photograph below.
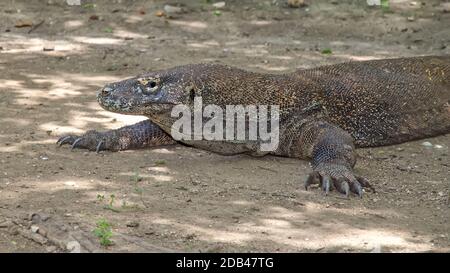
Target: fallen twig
x=34 y=27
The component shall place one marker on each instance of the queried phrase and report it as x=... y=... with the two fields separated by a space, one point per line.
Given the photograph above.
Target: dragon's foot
x=91 y=140
x=340 y=177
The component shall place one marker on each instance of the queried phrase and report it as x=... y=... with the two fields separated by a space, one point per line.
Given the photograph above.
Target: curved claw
x=357 y=188
x=63 y=140
x=326 y=184
x=99 y=146
x=365 y=183
x=344 y=188
x=312 y=179
x=74 y=144
x=339 y=177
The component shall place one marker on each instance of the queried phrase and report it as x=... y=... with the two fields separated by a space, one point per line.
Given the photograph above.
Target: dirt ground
x=179 y=198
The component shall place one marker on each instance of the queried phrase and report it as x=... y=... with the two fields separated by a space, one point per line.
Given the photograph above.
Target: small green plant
x=100 y=197
x=136 y=177
x=89 y=5
x=326 y=51
x=108 y=30
x=160 y=162
x=104 y=232
x=217 y=13
x=111 y=200
x=110 y=205
x=138 y=190
x=385 y=5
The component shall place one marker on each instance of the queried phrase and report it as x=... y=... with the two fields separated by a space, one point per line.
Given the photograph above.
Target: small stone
x=132 y=224
x=411 y=18
x=296 y=3
x=73 y=2
x=160 y=13
x=42 y=232
x=172 y=9
x=373 y=3
x=219 y=5
x=34 y=229
x=43 y=157
x=427 y=144
x=73 y=247
x=437 y=146
x=51 y=249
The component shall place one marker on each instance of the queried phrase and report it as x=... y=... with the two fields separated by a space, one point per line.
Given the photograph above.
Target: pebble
x=172 y=9
x=51 y=249
x=34 y=228
x=73 y=2
x=427 y=144
x=73 y=247
x=219 y=5
x=296 y=3
x=373 y=2
x=437 y=146
x=132 y=224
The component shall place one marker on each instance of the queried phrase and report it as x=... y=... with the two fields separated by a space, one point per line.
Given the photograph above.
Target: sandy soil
x=182 y=199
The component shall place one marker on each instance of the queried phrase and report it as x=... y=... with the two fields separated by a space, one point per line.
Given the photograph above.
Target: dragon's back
x=384 y=102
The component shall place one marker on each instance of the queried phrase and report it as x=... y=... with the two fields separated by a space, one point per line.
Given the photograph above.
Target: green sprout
x=326 y=51
x=104 y=232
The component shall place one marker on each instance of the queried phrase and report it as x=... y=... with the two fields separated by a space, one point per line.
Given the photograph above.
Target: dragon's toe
x=341 y=178
x=92 y=140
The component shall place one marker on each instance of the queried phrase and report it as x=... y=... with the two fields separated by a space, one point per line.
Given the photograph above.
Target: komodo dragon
x=325 y=112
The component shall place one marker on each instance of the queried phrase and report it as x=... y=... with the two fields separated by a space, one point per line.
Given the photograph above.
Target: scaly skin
x=325 y=112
